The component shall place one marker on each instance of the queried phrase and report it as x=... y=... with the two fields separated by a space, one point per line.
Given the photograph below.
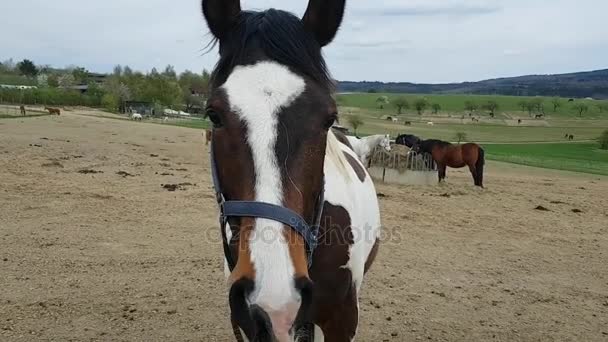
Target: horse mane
x=280 y=36
x=336 y=154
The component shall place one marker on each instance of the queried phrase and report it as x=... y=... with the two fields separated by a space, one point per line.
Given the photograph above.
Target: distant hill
x=581 y=84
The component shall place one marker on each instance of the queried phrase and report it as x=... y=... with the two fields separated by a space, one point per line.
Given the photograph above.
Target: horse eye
x=330 y=121
x=214 y=117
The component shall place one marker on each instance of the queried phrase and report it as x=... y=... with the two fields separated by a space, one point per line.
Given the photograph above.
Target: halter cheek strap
x=268 y=211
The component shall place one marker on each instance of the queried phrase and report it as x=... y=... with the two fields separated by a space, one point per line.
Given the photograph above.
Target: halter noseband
x=256 y=209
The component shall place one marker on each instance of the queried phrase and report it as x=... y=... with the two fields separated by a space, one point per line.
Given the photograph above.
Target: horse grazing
x=408 y=140
x=299 y=215
x=365 y=146
x=456 y=156
x=52 y=110
x=136 y=117
x=22 y=109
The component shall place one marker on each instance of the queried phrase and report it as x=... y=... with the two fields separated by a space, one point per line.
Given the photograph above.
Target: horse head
x=386 y=142
x=271 y=108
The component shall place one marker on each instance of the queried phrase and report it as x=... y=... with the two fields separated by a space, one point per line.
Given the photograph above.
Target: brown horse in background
x=52 y=110
x=22 y=109
x=456 y=156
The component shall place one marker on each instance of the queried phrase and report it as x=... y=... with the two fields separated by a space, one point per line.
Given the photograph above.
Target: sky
x=424 y=41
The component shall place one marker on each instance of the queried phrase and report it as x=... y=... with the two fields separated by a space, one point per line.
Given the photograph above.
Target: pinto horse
x=456 y=156
x=299 y=215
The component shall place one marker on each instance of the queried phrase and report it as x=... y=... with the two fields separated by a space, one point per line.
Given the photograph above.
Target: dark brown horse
x=456 y=156
x=22 y=109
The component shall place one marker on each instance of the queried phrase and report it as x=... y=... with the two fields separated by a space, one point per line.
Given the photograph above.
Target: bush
x=110 y=102
x=604 y=140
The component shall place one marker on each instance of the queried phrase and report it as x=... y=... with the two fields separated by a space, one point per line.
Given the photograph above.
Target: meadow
x=539 y=142
x=455 y=104
x=579 y=157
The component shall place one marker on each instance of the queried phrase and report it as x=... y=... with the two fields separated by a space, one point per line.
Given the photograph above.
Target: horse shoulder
x=359 y=200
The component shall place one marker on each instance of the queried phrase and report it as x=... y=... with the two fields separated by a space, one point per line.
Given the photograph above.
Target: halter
x=257 y=209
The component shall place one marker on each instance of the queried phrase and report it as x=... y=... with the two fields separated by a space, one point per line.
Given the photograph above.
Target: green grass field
x=455 y=104
x=579 y=157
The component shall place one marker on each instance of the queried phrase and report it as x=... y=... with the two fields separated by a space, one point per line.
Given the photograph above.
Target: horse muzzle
x=260 y=323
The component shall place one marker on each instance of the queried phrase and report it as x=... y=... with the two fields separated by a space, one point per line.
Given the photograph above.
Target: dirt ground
x=92 y=247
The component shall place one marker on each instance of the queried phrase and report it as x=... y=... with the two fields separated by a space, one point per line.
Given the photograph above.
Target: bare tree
x=492 y=106
x=556 y=103
x=581 y=108
x=401 y=103
x=420 y=105
x=470 y=106
x=436 y=108
x=355 y=122
x=460 y=136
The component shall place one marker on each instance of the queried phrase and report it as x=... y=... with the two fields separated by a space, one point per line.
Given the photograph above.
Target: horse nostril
x=305 y=286
x=262 y=323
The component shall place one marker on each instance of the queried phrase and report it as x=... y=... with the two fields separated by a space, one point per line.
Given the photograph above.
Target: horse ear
x=221 y=15
x=323 y=19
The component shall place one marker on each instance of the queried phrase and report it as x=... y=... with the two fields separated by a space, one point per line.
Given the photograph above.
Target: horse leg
x=474 y=174
x=341 y=325
x=441 y=171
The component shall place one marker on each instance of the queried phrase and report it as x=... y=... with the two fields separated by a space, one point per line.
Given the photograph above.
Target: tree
x=127 y=71
x=66 y=80
x=492 y=106
x=117 y=70
x=436 y=108
x=581 y=108
x=7 y=66
x=118 y=91
x=556 y=103
x=110 y=102
x=80 y=75
x=538 y=104
x=170 y=72
x=381 y=101
x=53 y=80
x=420 y=105
x=470 y=106
x=523 y=104
x=460 y=136
x=355 y=122
x=602 y=106
x=400 y=103
x=42 y=80
x=604 y=140
x=27 y=68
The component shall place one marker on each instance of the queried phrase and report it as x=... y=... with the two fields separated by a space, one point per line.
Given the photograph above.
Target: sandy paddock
x=92 y=247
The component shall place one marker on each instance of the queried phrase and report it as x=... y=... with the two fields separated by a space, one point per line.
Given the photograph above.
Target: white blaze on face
x=257 y=93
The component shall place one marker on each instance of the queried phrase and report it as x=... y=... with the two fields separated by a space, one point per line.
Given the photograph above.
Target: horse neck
x=374 y=140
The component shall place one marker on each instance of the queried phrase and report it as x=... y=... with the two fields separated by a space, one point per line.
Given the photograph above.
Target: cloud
x=465 y=10
x=388 y=40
